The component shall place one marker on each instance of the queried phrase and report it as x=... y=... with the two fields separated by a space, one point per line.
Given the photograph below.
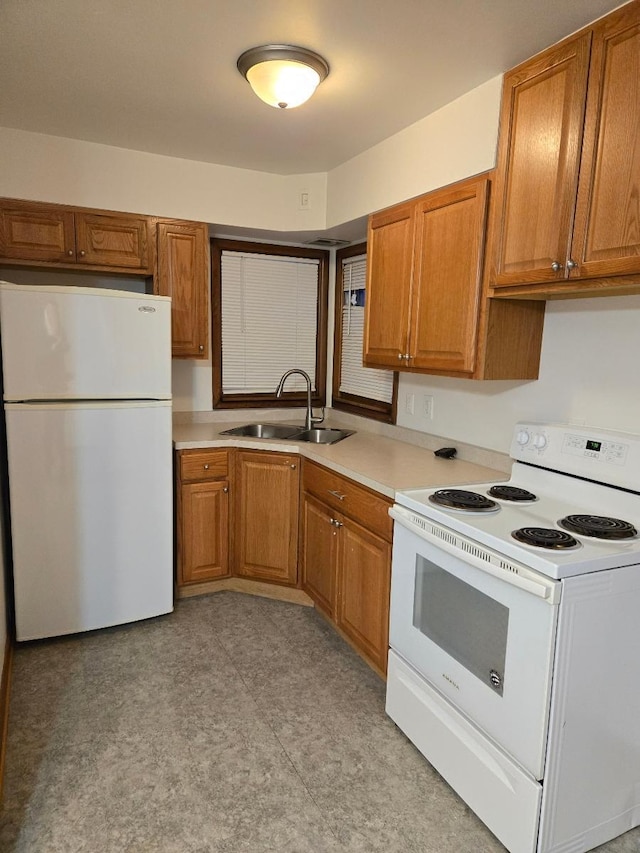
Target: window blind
x=269 y=321
x=354 y=378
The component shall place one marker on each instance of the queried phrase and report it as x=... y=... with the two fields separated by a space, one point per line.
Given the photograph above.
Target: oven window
x=464 y=622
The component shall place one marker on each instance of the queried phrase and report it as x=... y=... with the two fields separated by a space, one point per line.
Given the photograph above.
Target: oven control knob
x=540 y=441
x=523 y=437
x=496 y=679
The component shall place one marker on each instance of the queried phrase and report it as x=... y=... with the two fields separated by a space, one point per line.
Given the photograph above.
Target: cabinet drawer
x=203 y=465
x=343 y=495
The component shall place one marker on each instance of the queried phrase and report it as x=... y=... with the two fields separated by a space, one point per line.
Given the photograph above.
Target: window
x=269 y=306
x=362 y=390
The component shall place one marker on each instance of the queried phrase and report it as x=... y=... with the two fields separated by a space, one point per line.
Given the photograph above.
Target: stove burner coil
x=598 y=526
x=545 y=537
x=511 y=493
x=461 y=499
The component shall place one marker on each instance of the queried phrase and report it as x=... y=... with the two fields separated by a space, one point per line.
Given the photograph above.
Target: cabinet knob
x=206 y=466
x=293 y=466
x=400 y=356
x=336 y=523
x=571 y=265
x=81 y=253
x=556 y=266
x=70 y=252
x=225 y=489
x=201 y=348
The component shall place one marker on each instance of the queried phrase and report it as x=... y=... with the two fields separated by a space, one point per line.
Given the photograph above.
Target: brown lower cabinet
x=345 y=535
x=202 y=504
x=237 y=515
x=346 y=558
x=266 y=515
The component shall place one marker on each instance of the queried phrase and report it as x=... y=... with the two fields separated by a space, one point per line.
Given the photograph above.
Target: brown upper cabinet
x=425 y=305
x=36 y=232
x=183 y=274
x=568 y=174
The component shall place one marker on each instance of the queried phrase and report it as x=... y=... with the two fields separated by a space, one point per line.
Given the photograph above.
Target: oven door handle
x=482 y=558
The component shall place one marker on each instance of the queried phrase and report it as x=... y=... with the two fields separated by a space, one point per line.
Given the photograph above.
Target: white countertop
x=383 y=464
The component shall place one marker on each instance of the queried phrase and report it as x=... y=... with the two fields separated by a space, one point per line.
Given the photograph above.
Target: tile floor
x=235 y=725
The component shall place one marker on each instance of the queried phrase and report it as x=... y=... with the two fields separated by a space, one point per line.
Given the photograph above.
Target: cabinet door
x=113 y=241
x=607 y=227
x=267 y=516
x=541 y=124
x=450 y=238
x=319 y=553
x=183 y=274
x=388 y=292
x=203 y=531
x=364 y=577
x=30 y=232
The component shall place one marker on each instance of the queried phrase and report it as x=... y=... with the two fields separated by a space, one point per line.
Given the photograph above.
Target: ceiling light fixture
x=282 y=75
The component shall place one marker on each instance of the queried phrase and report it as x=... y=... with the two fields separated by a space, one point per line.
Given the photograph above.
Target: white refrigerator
x=87 y=404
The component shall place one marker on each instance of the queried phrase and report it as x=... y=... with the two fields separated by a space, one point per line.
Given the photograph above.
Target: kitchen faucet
x=309 y=420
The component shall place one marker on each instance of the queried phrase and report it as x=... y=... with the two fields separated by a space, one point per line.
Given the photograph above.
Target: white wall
x=68 y=171
x=589 y=374
x=455 y=142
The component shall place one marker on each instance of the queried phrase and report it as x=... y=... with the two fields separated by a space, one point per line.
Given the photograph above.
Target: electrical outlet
x=409 y=402
x=428 y=406
x=304 y=200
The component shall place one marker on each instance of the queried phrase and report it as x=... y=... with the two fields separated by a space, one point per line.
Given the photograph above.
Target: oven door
x=479 y=628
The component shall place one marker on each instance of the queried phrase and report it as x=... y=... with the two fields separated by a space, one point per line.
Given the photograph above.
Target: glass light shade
x=282 y=82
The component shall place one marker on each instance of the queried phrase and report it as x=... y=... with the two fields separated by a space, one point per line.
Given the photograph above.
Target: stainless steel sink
x=323 y=435
x=264 y=430
x=317 y=435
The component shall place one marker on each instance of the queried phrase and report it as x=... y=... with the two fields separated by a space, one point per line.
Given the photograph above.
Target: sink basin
x=264 y=430
x=317 y=435
x=323 y=435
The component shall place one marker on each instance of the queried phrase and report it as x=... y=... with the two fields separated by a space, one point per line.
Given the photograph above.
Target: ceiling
x=160 y=75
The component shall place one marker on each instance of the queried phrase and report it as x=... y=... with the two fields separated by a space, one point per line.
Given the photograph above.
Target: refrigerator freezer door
x=91 y=515
x=65 y=343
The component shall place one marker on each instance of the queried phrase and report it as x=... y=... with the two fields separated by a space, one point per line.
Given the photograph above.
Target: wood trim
x=571 y=289
x=5 y=695
x=364 y=406
x=288 y=399
x=250 y=587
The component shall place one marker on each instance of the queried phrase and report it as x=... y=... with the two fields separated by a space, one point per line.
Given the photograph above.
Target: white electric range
x=515 y=638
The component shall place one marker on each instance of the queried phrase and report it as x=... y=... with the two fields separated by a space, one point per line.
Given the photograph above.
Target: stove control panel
x=603 y=455
x=595 y=448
